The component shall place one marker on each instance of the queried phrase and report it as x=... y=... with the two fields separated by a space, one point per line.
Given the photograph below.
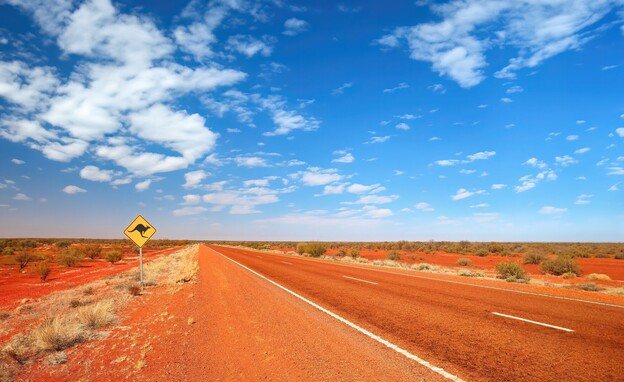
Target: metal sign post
x=140 y=231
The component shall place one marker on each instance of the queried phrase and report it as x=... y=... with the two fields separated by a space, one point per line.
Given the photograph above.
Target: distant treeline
x=19 y=244
x=464 y=247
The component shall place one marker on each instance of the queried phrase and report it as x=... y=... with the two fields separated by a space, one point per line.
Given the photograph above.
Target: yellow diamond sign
x=140 y=231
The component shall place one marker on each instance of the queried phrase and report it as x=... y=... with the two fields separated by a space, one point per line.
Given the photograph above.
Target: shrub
x=463 y=262
x=601 y=256
x=58 y=334
x=342 y=252
x=314 y=249
x=27 y=244
x=113 y=256
x=8 y=251
x=393 y=255
x=533 y=257
x=19 y=348
x=511 y=271
x=92 y=251
x=619 y=256
x=568 y=275
x=481 y=252
x=590 y=287
x=598 y=276
x=561 y=265
x=22 y=259
x=69 y=257
x=355 y=253
x=43 y=270
x=96 y=315
x=62 y=244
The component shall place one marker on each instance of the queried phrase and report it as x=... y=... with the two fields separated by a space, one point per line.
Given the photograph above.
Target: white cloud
x=463 y=193
x=572 y=138
x=143 y=186
x=251 y=162
x=191 y=199
x=346 y=158
x=423 y=206
x=614 y=187
x=400 y=86
x=433 y=139
x=534 y=162
x=22 y=197
x=342 y=88
x=294 y=26
x=615 y=170
x=119 y=182
x=467 y=172
x=582 y=150
x=583 y=199
x=334 y=190
x=529 y=182
x=620 y=131
x=71 y=190
x=514 y=89
x=376 y=199
x=480 y=205
x=378 y=213
x=194 y=178
x=189 y=211
x=378 y=139
x=250 y=46
x=402 y=126
x=565 y=161
x=498 y=186
x=240 y=203
x=357 y=188
x=96 y=174
x=550 y=210
x=256 y=182
x=17 y=161
x=315 y=176
x=456 y=46
x=437 y=88
x=447 y=162
x=506 y=100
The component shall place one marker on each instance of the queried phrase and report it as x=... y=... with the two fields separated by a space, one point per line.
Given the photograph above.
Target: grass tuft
x=598 y=276
x=59 y=333
x=98 y=315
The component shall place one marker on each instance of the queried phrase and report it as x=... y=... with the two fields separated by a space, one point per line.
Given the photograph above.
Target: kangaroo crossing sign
x=140 y=231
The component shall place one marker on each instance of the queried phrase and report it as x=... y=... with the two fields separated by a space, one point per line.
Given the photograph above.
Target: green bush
x=314 y=249
x=355 y=253
x=22 y=259
x=69 y=257
x=511 y=271
x=394 y=255
x=463 y=262
x=10 y=251
x=342 y=252
x=113 y=256
x=43 y=270
x=92 y=251
x=534 y=257
x=481 y=252
x=619 y=256
x=62 y=244
x=28 y=244
x=561 y=265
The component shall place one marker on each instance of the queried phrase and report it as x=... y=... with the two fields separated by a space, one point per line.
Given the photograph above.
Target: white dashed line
x=533 y=322
x=364 y=281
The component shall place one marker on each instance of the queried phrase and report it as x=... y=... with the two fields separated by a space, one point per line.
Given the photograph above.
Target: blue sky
x=276 y=120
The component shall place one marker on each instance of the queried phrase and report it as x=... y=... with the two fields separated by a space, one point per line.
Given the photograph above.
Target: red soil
x=16 y=285
x=610 y=267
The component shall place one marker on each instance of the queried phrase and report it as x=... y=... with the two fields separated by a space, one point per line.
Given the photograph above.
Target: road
x=472 y=333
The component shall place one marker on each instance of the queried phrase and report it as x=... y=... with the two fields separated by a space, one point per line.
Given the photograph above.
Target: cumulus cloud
x=315 y=176
x=463 y=193
x=250 y=46
x=357 y=188
x=345 y=158
x=423 y=206
x=245 y=161
x=294 y=26
x=194 y=178
x=583 y=199
x=376 y=199
x=582 y=150
x=402 y=126
x=550 y=210
x=189 y=211
x=17 y=161
x=456 y=45
x=71 y=190
x=565 y=160
x=96 y=174
x=240 y=203
x=378 y=139
x=23 y=197
x=498 y=186
x=143 y=186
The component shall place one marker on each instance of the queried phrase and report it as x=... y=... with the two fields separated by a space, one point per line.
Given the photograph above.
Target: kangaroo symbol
x=141 y=228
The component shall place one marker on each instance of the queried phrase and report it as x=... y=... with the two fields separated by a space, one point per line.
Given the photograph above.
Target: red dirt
x=16 y=285
x=610 y=267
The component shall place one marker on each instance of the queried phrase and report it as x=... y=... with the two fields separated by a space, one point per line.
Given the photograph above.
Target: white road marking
x=532 y=322
x=370 y=268
x=364 y=281
x=286 y=262
x=375 y=337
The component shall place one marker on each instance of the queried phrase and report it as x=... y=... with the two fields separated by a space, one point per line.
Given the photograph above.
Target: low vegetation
x=113 y=256
x=534 y=257
x=597 y=276
x=464 y=262
x=394 y=255
x=314 y=249
x=22 y=259
x=69 y=257
x=92 y=251
x=511 y=271
x=43 y=270
x=561 y=265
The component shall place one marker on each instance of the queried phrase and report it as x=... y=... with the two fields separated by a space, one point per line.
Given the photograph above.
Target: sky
x=290 y=120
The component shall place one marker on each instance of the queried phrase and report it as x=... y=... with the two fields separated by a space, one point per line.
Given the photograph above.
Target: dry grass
x=179 y=267
x=19 y=348
x=597 y=276
x=59 y=333
x=98 y=315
